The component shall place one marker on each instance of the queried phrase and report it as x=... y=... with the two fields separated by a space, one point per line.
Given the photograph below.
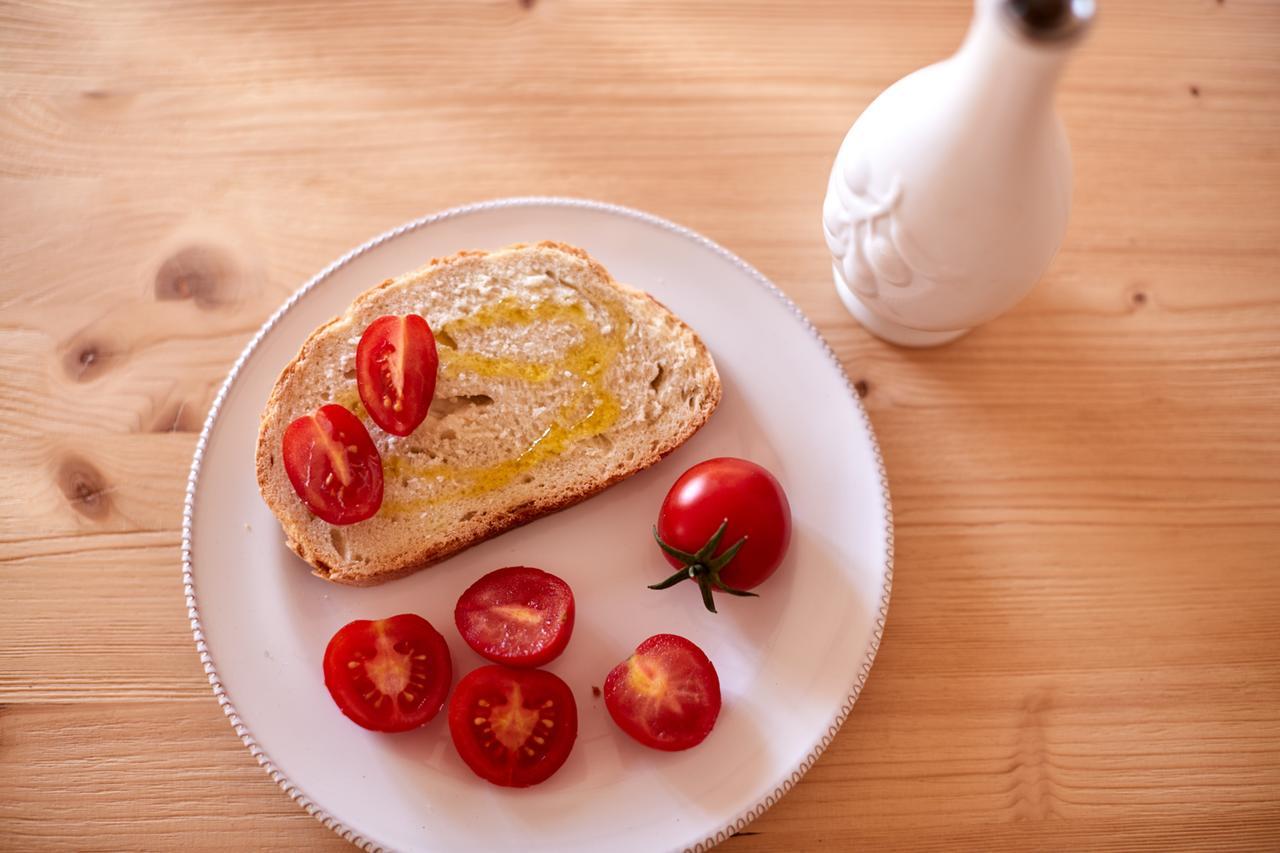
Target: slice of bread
x=555 y=382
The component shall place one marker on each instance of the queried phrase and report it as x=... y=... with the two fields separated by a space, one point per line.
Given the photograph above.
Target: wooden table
x=1083 y=648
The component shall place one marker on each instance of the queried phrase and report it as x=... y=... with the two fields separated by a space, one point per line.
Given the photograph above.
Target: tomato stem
x=702 y=567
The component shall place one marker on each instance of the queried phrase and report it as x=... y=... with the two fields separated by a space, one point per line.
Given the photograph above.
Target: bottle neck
x=1010 y=73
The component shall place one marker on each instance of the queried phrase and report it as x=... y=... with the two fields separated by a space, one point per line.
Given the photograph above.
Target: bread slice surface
x=555 y=382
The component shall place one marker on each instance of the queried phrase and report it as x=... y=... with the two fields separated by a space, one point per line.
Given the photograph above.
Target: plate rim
x=287 y=785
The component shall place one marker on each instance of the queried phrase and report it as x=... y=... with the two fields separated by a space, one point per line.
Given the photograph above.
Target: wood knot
x=863 y=388
x=204 y=274
x=84 y=488
x=87 y=359
x=1137 y=297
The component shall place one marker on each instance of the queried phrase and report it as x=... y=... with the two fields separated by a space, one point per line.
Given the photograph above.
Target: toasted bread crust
x=398 y=563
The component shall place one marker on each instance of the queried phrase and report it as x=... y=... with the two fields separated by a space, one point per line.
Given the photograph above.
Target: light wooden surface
x=1083 y=648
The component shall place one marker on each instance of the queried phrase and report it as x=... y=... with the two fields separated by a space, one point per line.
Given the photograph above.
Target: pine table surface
x=1083 y=646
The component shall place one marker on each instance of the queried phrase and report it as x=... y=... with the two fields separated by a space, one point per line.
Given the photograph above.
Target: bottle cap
x=1049 y=20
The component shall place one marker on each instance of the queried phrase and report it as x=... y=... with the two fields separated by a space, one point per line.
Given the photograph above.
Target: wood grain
x=1083 y=648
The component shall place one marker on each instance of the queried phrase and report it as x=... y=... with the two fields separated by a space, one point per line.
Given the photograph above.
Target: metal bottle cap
x=1049 y=20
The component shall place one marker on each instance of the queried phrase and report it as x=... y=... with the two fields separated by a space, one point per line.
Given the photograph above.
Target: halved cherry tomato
x=666 y=695
x=396 y=365
x=726 y=524
x=388 y=675
x=517 y=616
x=513 y=727
x=333 y=465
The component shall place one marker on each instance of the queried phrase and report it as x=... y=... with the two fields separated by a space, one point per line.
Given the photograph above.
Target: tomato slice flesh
x=333 y=465
x=666 y=695
x=518 y=616
x=513 y=727
x=396 y=364
x=388 y=675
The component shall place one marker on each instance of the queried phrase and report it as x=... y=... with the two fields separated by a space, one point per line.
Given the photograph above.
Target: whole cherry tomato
x=726 y=524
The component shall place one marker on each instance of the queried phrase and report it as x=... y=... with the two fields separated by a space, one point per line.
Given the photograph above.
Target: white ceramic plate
x=791 y=663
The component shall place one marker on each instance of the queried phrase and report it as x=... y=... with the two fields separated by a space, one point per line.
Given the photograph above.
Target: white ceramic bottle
x=950 y=194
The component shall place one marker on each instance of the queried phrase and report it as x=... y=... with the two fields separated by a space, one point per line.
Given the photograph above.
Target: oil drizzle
x=590 y=410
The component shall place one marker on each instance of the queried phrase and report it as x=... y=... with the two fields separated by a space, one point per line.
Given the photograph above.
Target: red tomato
x=333 y=465
x=513 y=727
x=666 y=695
x=726 y=524
x=517 y=616
x=390 y=675
x=396 y=365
